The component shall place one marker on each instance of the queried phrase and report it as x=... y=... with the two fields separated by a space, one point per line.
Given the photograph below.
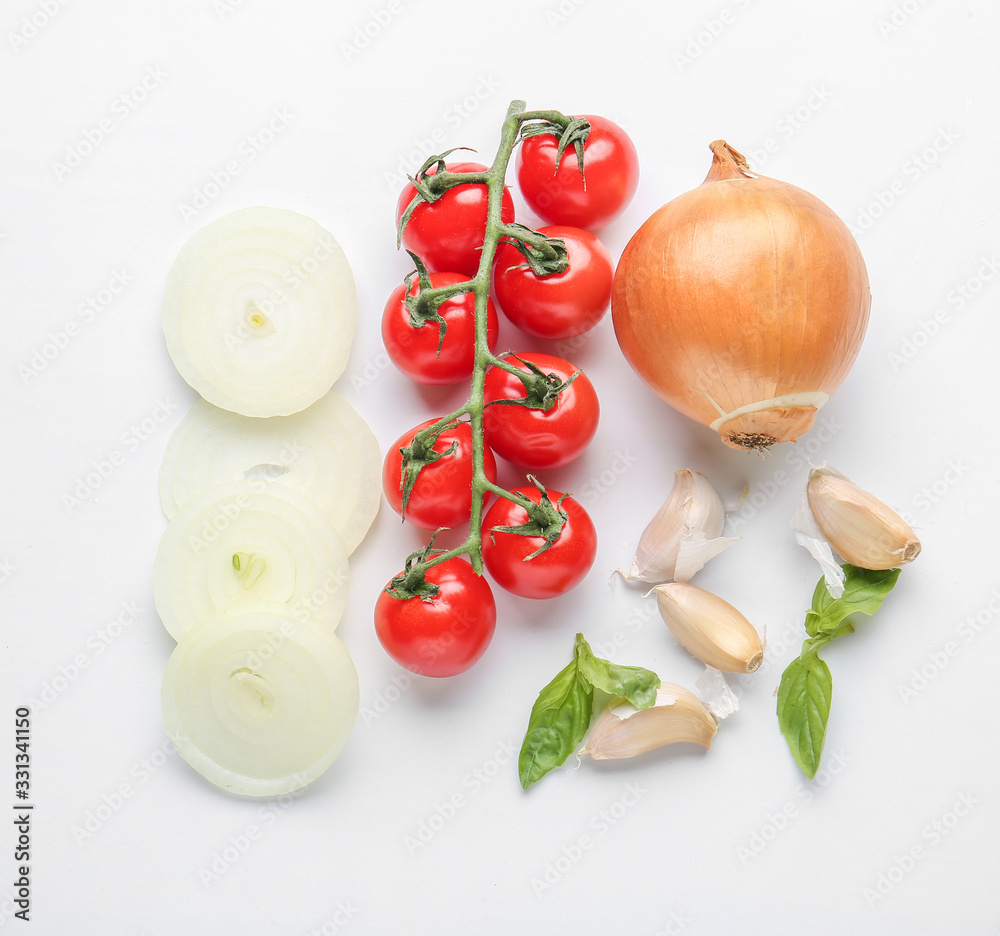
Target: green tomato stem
x=479 y=285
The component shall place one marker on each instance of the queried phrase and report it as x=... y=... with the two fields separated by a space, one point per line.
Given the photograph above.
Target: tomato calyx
x=574 y=134
x=545 y=255
x=431 y=186
x=424 y=304
x=541 y=390
x=420 y=453
x=545 y=519
x=412 y=581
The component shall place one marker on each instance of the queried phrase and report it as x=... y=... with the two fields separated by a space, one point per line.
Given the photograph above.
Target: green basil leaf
x=803 y=708
x=814 y=620
x=633 y=683
x=864 y=592
x=559 y=720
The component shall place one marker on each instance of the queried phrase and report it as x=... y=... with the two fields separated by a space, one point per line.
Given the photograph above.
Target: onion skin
x=745 y=293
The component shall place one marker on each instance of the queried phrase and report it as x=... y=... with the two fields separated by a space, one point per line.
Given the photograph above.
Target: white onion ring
x=258 y=703
x=259 y=311
x=286 y=553
x=327 y=453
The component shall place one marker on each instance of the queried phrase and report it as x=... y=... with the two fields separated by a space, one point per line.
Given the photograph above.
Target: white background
x=858 y=100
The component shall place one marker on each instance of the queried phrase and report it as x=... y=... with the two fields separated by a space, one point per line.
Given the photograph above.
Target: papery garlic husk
x=683 y=535
x=677 y=715
x=709 y=627
x=810 y=537
x=862 y=529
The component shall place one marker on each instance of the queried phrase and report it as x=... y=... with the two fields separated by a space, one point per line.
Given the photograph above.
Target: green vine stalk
x=545 y=256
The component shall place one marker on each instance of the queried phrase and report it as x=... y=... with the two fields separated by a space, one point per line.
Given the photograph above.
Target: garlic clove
x=677 y=715
x=860 y=527
x=709 y=627
x=684 y=534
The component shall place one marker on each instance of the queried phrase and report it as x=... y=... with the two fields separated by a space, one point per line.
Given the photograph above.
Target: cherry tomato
x=537 y=438
x=446 y=634
x=559 y=305
x=442 y=493
x=610 y=165
x=448 y=234
x=553 y=572
x=414 y=349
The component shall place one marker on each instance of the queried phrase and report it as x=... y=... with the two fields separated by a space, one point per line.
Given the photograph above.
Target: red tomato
x=414 y=350
x=448 y=234
x=559 y=305
x=610 y=165
x=442 y=493
x=553 y=572
x=446 y=634
x=539 y=438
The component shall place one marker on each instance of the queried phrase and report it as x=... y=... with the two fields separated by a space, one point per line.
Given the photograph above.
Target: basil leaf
x=559 y=720
x=864 y=592
x=803 y=708
x=634 y=683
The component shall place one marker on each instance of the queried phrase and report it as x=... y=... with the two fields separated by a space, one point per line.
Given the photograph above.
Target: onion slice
x=259 y=311
x=327 y=453
x=244 y=542
x=257 y=702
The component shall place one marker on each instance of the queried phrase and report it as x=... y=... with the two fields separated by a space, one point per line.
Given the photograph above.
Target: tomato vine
x=545 y=256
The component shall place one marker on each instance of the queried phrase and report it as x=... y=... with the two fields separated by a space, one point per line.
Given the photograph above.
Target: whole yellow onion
x=743 y=303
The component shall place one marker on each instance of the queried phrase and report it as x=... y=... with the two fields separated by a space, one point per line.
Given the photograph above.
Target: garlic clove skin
x=860 y=527
x=684 y=534
x=677 y=715
x=709 y=627
x=810 y=537
x=695 y=551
